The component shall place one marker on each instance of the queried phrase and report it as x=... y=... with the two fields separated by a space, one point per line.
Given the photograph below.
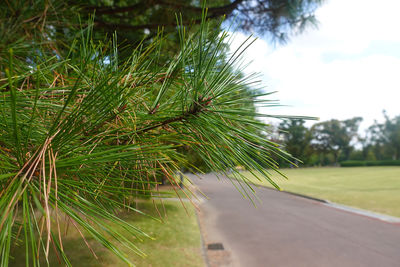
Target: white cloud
x=334 y=72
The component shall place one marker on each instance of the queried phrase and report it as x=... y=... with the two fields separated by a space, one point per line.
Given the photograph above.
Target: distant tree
x=350 y=133
x=296 y=139
x=366 y=147
x=386 y=137
x=336 y=136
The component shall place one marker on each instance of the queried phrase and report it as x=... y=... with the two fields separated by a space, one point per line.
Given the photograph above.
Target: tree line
x=334 y=141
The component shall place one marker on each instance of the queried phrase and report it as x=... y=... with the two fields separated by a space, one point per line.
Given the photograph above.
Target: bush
x=353 y=163
x=384 y=163
x=360 y=163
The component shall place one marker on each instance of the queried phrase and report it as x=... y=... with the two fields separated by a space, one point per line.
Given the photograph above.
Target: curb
x=354 y=210
x=365 y=213
x=202 y=243
x=203 y=246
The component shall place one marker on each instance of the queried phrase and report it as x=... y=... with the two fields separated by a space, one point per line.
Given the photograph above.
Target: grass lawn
x=371 y=188
x=177 y=240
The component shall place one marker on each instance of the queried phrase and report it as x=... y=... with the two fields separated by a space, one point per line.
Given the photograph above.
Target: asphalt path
x=288 y=230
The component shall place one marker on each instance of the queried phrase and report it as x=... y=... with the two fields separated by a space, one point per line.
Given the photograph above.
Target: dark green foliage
x=138 y=19
x=353 y=163
x=359 y=163
x=296 y=140
x=385 y=138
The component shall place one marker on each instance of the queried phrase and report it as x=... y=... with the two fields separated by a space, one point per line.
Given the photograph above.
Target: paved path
x=287 y=230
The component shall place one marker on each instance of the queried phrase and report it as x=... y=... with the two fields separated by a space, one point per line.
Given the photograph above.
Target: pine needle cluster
x=84 y=134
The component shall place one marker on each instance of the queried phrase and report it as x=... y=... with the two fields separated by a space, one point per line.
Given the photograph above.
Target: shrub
x=383 y=163
x=360 y=163
x=353 y=163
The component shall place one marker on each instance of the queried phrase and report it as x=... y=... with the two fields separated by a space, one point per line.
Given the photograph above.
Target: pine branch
x=114 y=10
x=219 y=10
x=196 y=108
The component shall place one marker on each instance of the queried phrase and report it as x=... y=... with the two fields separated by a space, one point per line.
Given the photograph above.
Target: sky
x=349 y=66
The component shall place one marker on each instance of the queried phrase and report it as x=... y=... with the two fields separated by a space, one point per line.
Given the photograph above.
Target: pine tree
x=83 y=133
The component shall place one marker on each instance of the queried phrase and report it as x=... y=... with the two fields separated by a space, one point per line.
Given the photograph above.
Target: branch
x=197 y=107
x=150 y=26
x=121 y=26
x=113 y=10
x=216 y=11
x=221 y=10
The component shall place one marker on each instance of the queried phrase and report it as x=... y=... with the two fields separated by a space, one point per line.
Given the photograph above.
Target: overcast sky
x=349 y=66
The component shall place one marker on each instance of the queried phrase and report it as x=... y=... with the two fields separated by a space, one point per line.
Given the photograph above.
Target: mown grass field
x=371 y=188
x=177 y=240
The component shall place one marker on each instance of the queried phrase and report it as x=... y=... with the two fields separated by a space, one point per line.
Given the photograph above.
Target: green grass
x=371 y=188
x=177 y=240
